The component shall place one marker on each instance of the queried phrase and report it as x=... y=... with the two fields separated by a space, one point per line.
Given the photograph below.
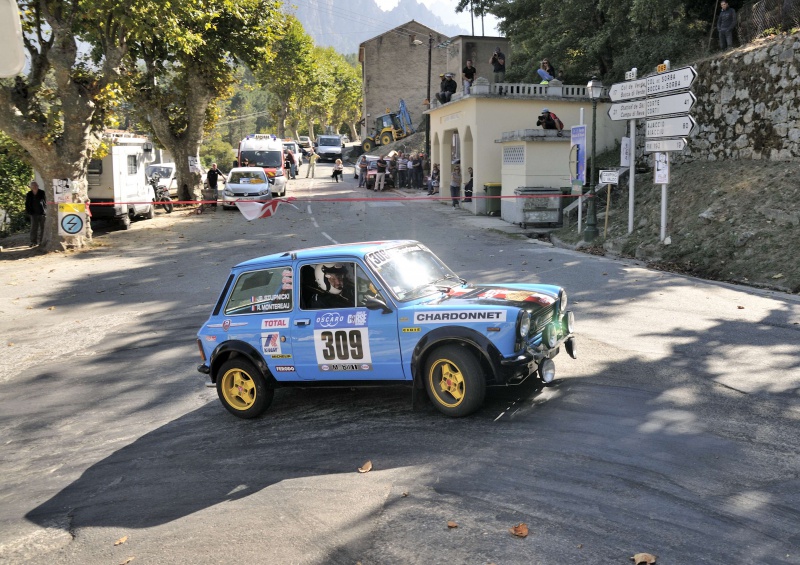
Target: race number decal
x=343 y=349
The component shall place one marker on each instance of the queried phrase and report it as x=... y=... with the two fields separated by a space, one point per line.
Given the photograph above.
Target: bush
x=17 y=174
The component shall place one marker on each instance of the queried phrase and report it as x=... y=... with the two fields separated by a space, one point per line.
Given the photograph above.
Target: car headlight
x=227 y=192
x=562 y=300
x=264 y=191
x=524 y=324
x=550 y=336
x=568 y=322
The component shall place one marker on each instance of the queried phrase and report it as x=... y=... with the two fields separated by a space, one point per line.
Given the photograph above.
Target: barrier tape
x=460 y=196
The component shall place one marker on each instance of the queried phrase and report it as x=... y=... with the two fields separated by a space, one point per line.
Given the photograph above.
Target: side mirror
x=372 y=303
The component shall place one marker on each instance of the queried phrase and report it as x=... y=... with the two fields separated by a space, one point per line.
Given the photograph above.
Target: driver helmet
x=322 y=271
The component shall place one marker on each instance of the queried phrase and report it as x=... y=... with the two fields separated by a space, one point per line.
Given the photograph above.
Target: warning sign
x=71 y=218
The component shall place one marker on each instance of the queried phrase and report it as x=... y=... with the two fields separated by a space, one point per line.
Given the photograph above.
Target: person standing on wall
x=468 y=75
x=725 y=25
x=498 y=62
x=36 y=208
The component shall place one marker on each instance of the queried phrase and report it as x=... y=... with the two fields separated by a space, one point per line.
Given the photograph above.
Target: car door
x=334 y=335
x=258 y=312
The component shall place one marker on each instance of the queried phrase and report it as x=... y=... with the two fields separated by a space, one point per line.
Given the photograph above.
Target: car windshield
x=247 y=177
x=270 y=159
x=158 y=170
x=411 y=271
x=329 y=141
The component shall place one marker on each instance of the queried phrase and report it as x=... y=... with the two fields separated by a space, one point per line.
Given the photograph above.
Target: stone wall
x=748 y=104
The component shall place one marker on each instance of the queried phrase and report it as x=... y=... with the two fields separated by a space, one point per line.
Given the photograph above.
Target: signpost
x=628 y=90
x=663 y=145
x=628 y=110
x=674 y=104
x=669 y=127
x=609 y=177
x=679 y=79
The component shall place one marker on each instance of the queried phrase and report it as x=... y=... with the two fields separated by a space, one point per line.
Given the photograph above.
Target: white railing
x=537 y=90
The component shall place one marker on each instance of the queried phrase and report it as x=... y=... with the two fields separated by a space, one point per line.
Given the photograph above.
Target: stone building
x=394 y=66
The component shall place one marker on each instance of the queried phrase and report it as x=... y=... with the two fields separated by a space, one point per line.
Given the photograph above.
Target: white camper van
x=117 y=182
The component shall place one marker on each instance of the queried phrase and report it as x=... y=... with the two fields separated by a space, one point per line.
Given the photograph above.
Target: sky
x=446 y=10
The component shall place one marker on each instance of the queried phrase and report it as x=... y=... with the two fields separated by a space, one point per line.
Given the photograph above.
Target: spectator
x=433 y=181
x=468 y=187
x=498 y=62
x=548 y=120
x=291 y=164
x=402 y=171
x=468 y=74
x=36 y=208
x=455 y=185
x=725 y=24
x=362 y=169
x=338 y=168
x=546 y=71
x=393 y=170
x=448 y=88
x=380 y=176
x=312 y=163
x=416 y=171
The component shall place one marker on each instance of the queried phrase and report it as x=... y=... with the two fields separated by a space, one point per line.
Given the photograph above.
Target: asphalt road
x=674 y=433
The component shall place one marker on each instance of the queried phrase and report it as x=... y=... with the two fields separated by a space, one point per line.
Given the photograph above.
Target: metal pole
x=631 y=174
x=663 y=212
x=591 y=231
x=427 y=114
x=580 y=198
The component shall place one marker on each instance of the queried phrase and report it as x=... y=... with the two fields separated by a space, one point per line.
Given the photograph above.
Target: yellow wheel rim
x=447 y=383
x=238 y=389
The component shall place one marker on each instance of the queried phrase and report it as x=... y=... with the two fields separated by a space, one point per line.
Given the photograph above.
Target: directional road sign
x=678 y=79
x=609 y=177
x=664 y=145
x=628 y=90
x=628 y=110
x=674 y=104
x=669 y=127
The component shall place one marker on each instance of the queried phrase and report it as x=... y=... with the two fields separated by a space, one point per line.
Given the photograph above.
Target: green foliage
x=218 y=151
x=603 y=38
x=17 y=173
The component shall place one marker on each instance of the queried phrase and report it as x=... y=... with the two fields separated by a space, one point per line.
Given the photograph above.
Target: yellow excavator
x=389 y=127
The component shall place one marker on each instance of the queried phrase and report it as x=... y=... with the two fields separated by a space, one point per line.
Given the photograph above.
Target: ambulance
x=265 y=151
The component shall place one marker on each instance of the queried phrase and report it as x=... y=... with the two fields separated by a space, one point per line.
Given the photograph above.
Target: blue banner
x=577 y=161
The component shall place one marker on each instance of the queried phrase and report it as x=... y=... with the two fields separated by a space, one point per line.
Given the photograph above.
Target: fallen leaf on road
x=647 y=558
x=366 y=467
x=740 y=307
x=451 y=524
x=121 y=540
x=405 y=494
x=128 y=560
x=520 y=530
x=51 y=308
x=778 y=276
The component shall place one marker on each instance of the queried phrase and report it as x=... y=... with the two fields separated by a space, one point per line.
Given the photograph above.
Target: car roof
x=359 y=249
x=247 y=170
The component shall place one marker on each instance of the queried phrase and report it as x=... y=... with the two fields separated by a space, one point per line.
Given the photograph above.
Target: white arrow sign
x=628 y=90
x=669 y=127
x=679 y=79
x=628 y=110
x=674 y=104
x=664 y=145
x=609 y=177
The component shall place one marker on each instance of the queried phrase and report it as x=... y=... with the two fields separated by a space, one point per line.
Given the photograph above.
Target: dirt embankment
x=736 y=221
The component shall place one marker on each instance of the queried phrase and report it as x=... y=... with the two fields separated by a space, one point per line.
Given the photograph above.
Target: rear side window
x=261 y=292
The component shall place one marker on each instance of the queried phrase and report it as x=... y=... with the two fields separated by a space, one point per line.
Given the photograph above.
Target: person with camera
x=548 y=120
x=546 y=71
x=498 y=62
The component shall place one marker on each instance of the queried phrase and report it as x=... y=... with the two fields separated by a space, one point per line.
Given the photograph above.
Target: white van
x=329 y=147
x=117 y=181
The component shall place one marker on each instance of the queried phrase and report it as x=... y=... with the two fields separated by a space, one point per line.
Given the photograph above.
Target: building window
x=132 y=165
x=514 y=155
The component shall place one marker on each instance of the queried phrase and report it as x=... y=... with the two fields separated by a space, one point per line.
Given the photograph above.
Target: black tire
x=368 y=145
x=167 y=204
x=242 y=388
x=454 y=381
x=386 y=139
x=126 y=222
x=151 y=212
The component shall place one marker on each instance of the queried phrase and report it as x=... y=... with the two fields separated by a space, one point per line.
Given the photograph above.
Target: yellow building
x=498 y=137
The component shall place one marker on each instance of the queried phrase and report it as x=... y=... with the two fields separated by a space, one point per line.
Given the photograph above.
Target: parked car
x=246 y=183
x=372 y=171
x=304 y=141
x=295 y=149
x=329 y=147
x=168 y=176
x=377 y=313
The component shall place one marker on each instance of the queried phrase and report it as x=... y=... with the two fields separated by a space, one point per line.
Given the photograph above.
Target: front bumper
x=516 y=369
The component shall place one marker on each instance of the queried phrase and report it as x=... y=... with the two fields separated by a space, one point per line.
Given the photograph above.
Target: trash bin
x=545 y=209
x=493 y=204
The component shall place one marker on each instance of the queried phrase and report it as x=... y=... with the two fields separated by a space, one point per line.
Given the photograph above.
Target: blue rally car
x=379 y=312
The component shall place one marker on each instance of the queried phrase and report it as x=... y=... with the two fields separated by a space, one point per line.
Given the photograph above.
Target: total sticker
x=274 y=323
